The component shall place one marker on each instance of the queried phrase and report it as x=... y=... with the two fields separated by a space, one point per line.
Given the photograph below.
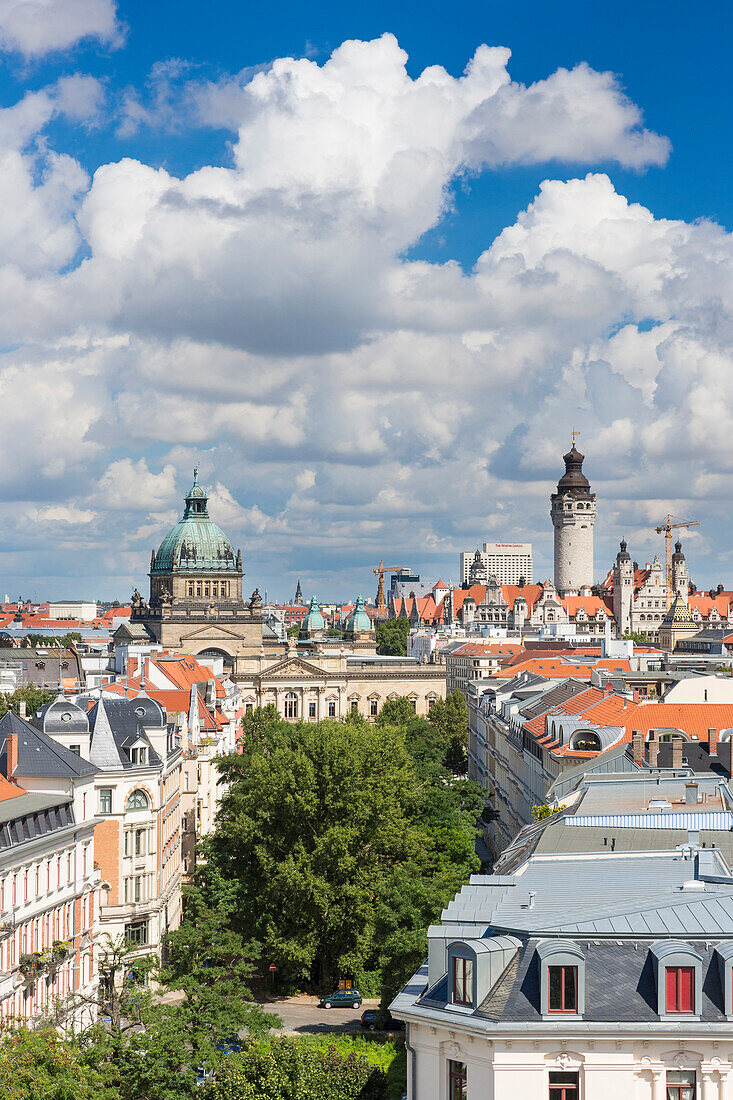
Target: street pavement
x=301 y=1015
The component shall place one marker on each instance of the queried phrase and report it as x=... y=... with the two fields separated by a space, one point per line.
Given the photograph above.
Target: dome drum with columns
x=195 y=562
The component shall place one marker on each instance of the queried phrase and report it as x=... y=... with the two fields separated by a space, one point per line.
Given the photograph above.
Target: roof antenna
x=142 y=675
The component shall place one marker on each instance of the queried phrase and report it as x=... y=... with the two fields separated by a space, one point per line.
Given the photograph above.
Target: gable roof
x=115 y=726
x=39 y=756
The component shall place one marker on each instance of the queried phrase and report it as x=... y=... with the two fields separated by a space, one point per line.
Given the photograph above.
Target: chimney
x=713 y=742
x=22 y=708
x=637 y=744
x=676 y=752
x=691 y=793
x=724 y=755
x=11 y=751
x=653 y=747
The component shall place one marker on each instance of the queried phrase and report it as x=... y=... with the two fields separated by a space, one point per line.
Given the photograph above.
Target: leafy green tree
x=450 y=716
x=33 y=697
x=288 y=1069
x=315 y=816
x=396 y=712
x=543 y=810
x=212 y=966
x=40 y=1065
x=637 y=637
x=392 y=635
x=456 y=759
x=258 y=723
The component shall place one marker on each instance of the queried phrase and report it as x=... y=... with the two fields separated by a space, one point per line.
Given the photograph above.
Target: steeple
x=573 y=480
x=299 y=595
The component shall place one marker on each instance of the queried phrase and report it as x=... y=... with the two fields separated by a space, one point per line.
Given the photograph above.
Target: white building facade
x=49 y=880
x=137 y=790
x=508 y=562
x=566 y=981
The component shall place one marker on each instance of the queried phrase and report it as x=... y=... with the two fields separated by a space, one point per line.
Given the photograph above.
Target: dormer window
x=679 y=989
x=562 y=986
x=139 y=755
x=462 y=981
x=678 y=972
x=562 y=978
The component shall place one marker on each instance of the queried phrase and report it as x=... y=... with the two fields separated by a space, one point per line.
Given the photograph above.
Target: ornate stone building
x=573 y=512
x=640 y=596
x=196 y=606
x=195 y=602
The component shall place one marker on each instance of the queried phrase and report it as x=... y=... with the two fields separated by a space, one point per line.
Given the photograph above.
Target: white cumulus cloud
x=38 y=27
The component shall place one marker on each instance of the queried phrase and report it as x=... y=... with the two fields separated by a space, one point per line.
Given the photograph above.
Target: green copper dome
x=358 y=619
x=313 y=620
x=196 y=545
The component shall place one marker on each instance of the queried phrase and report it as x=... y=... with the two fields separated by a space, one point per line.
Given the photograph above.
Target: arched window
x=138 y=800
x=585 y=741
x=291 y=705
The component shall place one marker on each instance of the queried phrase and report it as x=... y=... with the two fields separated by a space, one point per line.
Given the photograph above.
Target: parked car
x=230 y=1045
x=342 y=998
x=373 y=1019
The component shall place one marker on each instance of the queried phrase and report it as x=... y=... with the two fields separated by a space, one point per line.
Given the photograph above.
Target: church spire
x=299 y=595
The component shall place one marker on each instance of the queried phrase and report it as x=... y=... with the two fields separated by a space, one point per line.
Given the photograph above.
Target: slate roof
x=614 y=908
x=116 y=725
x=39 y=756
x=31 y=816
x=631 y=996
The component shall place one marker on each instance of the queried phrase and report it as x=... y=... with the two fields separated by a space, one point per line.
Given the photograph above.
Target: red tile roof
x=9 y=790
x=705 y=604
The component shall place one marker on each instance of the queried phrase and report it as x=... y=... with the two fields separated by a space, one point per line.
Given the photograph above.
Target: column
x=709 y=1086
x=658 y=1088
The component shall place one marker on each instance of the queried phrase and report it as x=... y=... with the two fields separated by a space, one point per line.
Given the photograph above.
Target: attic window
x=138 y=755
x=140 y=712
x=679 y=989
x=562 y=989
x=66 y=716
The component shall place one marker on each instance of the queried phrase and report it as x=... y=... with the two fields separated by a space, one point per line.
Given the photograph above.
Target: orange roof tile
x=705 y=604
x=9 y=790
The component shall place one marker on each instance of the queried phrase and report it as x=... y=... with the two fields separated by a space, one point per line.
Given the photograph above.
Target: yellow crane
x=667 y=528
x=379 y=572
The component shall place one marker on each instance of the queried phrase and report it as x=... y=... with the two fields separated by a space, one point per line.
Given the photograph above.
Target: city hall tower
x=573 y=511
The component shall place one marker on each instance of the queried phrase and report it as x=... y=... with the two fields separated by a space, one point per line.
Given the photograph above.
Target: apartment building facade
x=137 y=763
x=49 y=880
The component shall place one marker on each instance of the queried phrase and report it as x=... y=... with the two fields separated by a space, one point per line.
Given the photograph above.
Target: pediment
x=211 y=634
x=292 y=668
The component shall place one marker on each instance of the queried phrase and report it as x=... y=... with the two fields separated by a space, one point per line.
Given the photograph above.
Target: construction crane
x=379 y=572
x=668 y=527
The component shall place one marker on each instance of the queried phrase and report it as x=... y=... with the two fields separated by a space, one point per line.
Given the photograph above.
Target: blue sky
x=341 y=287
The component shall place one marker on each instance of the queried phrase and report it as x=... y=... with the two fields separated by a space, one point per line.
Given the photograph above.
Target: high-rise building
x=573 y=512
x=508 y=562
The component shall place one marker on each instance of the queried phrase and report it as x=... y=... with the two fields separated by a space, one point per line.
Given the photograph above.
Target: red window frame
x=564 y=1086
x=463 y=972
x=679 y=990
x=565 y=992
x=679 y=1089
x=457 y=1080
